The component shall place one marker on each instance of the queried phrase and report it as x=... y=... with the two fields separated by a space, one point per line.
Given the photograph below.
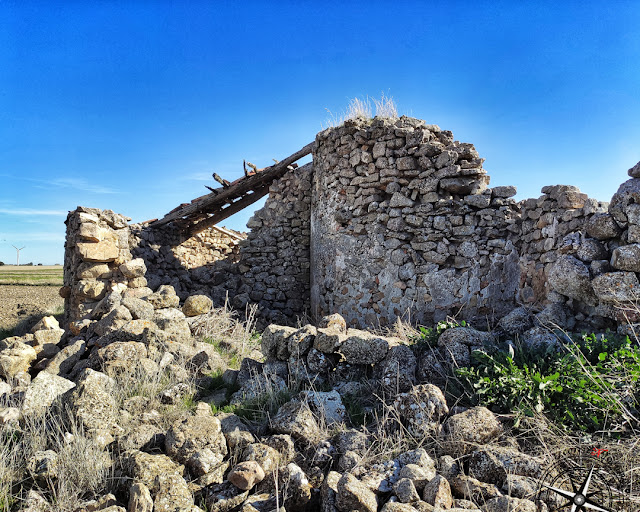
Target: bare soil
x=22 y=306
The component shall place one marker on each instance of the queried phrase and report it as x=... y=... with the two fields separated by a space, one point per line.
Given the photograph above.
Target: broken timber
x=206 y=211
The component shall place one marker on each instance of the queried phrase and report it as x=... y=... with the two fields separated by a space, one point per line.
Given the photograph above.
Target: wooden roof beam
x=237 y=189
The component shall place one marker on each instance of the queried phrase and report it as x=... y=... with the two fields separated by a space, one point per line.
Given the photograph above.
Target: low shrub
x=589 y=385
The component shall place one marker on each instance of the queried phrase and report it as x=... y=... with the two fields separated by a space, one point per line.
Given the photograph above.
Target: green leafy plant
x=590 y=385
x=428 y=336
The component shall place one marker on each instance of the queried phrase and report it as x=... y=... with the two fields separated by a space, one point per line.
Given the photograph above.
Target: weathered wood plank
x=221 y=215
x=237 y=189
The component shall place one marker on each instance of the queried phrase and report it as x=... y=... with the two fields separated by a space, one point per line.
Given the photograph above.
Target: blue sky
x=131 y=105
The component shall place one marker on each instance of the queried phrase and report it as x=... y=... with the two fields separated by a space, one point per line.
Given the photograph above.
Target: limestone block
x=329 y=340
x=626 y=257
x=462 y=432
x=140 y=498
x=65 y=360
x=107 y=249
x=613 y=287
x=133 y=268
x=90 y=231
x=353 y=495
x=421 y=409
x=296 y=419
x=46 y=342
x=15 y=359
x=362 y=347
x=267 y=457
x=137 y=282
x=43 y=390
x=113 y=321
x=162 y=477
x=602 y=226
x=92 y=402
x=197 y=305
x=570 y=277
x=194 y=433
x=164 y=297
x=91 y=288
x=628 y=193
x=464 y=185
x=47 y=322
x=275 y=341
x=246 y=475
x=503 y=503
x=327 y=405
x=438 y=493
x=398 y=368
x=506 y=191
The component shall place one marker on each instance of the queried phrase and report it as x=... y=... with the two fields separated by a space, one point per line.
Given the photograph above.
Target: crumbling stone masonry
x=101 y=245
x=275 y=260
x=392 y=217
x=188 y=264
x=402 y=220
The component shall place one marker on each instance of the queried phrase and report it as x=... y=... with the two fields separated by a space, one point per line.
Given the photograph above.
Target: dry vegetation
x=359 y=108
x=27 y=275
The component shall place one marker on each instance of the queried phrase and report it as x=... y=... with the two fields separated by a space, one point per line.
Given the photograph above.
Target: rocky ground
x=163 y=406
x=24 y=304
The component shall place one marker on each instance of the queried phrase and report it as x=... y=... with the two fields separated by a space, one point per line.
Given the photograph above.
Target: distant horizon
x=32 y=265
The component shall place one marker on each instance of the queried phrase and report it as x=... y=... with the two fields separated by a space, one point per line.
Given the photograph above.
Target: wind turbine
x=18 y=254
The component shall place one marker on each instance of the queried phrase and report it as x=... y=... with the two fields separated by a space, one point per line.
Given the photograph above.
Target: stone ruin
x=392 y=219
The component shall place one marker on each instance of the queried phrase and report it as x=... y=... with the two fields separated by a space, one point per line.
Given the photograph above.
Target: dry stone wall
x=204 y=263
x=97 y=258
x=394 y=218
x=596 y=272
x=402 y=220
x=275 y=258
x=546 y=221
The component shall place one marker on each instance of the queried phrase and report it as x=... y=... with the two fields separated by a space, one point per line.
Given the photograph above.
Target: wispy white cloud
x=200 y=176
x=69 y=183
x=32 y=211
x=37 y=236
x=81 y=184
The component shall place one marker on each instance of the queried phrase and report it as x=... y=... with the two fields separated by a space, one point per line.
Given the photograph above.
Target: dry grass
x=234 y=338
x=83 y=469
x=150 y=387
x=385 y=107
x=363 y=108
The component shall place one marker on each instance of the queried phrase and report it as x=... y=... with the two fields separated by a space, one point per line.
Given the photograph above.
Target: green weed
x=428 y=336
x=231 y=357
x=259 y=409
x=590 y=385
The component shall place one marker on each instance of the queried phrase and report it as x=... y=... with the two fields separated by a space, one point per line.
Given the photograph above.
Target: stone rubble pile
x=394 y=216
x=307 y=457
